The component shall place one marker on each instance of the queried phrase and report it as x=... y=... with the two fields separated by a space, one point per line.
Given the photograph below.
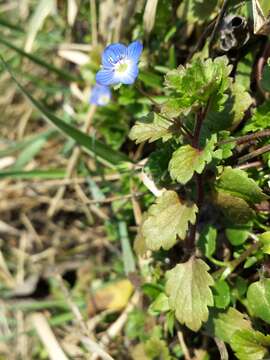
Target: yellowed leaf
x=114 y=297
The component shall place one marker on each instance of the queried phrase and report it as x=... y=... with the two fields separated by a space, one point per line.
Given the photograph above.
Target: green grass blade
x=60 y=72
x=94 y=147
x=49 y=174
x=22 y=144
x=29 y=153
x=10 y=26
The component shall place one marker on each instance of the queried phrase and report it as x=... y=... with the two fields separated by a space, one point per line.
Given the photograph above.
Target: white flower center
x=104 y=99
x=122 y=66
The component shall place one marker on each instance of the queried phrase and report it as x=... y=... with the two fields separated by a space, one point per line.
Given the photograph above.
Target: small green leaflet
x=228 y=323
x=166 y=220
x=233 y=328
x=188 y=287
x=250 y=344
x=237 y=183
x=192 y=86
x=231 y=113
x=151 y=128
x=258 y=297
x=260 y=119
x=221 y=292
x=186 y=160
x=235 y=209
x=207 y=240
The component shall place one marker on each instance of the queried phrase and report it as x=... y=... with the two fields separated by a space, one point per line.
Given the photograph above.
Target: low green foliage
x=170 y=195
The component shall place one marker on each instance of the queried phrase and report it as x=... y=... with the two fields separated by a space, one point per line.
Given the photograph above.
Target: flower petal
x=100 y=95
x=112 y=54
x=104 y=77
x=128 y=77
x=134 y=51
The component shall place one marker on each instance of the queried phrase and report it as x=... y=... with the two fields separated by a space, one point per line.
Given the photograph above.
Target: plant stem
x=236 y=262
x=246 y=138
x=190 y=243
x=254 y=153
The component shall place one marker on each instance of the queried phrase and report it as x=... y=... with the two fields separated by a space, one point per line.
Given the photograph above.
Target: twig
x=93 y=347
x=254 y=154
x=260 y=66
x=183 y=345
x=71 y=164
x=235 y=263
x=222 y=349
x=246 y=138
x=254 y=164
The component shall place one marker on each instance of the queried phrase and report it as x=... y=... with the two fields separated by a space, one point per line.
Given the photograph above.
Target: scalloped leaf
x=150 y=129
x=192 y=86
x=166 y=220
x=260 y=119
x=188 y=287
x=250 y=344
x=234 y=208
x=230 y=114
x=237 y=183
x=186 y=160
x=258 y=297
x=228 y=323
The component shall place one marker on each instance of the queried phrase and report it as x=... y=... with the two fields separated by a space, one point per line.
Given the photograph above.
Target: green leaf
x=238 y=234
x=265 y=240
x=197 y=10
x=192 y=86
x=37 y=60
x=228 y=323
x=260 y=119
x=160 y=305
x=94 y=147
x=258 y=297
x=221 y=292
x=234 y=208
x=231 y=113
x=150 y=129
x=207 y=240
x=127 y=254
x=27 y=141
x=186 y=160
x=188 y=287
x=265 y=82
x=250 y=344
x=166 y=220
x=157 y=164
x=157 y=348
x=237 y=183
x=29 y=153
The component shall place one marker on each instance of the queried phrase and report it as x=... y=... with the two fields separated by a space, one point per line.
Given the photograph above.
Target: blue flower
x=120 y=64
x=100 y=95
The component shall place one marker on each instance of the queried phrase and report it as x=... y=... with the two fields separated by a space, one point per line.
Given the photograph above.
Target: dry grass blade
x=72 y=11
x=44 y=9
x=71 y=164
x=93 y=347
x=47 y=337
x=150 y=15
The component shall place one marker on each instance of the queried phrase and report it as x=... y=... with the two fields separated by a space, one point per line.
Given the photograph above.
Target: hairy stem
x=246 y=138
